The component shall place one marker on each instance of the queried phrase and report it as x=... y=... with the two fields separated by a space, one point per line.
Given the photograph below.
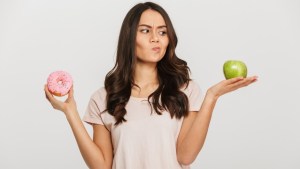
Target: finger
x=71 y=92
x=254 y=78
x=49 y=95
x=46 y=93
x=251 y=80
x=244 y=82
x=56 y=104
x=70 y=95
x=251 y=77
x=234 y=80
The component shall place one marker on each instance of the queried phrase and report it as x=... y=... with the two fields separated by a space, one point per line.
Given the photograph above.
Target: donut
x=59 y=83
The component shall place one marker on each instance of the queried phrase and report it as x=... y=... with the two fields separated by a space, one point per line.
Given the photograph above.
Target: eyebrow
x=162 y=26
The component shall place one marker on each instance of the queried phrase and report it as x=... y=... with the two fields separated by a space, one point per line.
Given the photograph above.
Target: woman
x=150 y=114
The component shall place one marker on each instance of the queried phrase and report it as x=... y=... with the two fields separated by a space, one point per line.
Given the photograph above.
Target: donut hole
x=60 y=82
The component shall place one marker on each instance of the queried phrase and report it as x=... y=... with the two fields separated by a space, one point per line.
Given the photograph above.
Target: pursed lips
x=156 y=49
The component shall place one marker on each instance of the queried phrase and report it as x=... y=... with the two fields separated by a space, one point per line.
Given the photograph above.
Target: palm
x=230 y=85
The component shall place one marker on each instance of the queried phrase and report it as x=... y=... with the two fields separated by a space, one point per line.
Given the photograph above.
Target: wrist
x=71 y=114
x=211 y=95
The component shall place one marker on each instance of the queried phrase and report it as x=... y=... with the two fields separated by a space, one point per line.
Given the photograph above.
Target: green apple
x=234 y=68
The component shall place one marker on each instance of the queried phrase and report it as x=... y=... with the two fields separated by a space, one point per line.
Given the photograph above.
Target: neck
x=145 y=75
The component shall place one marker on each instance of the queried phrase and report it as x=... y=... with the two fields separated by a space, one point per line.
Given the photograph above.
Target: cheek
x=138 y=46
x=165 y=43
x=140 y=43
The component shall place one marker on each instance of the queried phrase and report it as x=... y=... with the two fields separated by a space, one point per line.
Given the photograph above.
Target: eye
x=162 y=33
x=144 y=30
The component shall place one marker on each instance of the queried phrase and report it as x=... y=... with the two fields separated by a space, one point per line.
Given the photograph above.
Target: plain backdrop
x=256 y=127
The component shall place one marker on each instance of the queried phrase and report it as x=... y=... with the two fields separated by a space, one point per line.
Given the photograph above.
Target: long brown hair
x=173 y=72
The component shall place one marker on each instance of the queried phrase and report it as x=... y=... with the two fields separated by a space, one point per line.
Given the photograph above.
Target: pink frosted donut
x=59 y=83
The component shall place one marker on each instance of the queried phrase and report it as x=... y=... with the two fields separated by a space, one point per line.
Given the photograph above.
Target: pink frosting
x=59 y=82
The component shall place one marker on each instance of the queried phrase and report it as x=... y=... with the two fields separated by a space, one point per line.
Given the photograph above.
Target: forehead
x=152 y=17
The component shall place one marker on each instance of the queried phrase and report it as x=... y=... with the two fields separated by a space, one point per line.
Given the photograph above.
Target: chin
x=151 y=59
x=155 y=60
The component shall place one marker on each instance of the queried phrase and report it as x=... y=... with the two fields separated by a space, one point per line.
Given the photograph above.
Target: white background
x=256 y=127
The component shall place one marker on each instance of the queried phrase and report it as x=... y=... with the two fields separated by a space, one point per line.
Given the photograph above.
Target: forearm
x=90 y=152
x=194 y=136
x=194 y=140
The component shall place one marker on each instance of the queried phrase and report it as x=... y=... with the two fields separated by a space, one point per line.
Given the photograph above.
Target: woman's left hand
x=230 y=85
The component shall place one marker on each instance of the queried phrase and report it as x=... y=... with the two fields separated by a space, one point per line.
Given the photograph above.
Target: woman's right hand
x=68 y=106
x=96 y=153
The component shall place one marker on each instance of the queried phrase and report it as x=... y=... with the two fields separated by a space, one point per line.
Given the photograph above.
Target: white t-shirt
x=147 y=140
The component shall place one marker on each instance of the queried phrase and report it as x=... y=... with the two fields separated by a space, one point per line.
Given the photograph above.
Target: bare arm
x=96 y=152
x=195 y=127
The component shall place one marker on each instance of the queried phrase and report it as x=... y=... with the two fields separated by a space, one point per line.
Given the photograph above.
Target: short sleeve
x=195 y=96
x=95 y=107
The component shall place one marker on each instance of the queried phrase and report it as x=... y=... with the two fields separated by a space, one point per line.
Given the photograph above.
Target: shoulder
x=98 y=98
x=99 y=94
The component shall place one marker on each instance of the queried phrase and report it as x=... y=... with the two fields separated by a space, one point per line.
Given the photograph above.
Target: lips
x=156 y=49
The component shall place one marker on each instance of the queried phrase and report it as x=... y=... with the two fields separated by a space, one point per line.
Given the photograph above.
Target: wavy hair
x=173 y=72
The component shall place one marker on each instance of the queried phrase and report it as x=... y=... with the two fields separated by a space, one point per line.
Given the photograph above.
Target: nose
x=154 y=37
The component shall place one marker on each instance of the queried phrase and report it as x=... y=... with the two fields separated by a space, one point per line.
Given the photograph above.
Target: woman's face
x=151 y=39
